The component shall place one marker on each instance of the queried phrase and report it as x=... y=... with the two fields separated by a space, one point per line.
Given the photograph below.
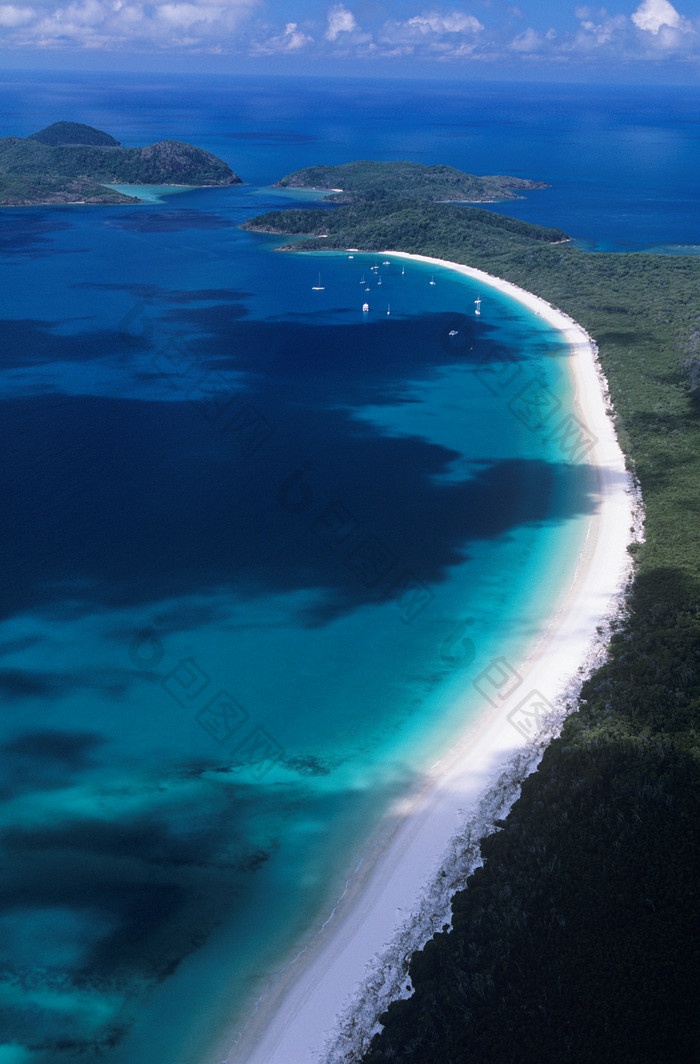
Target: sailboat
x=477 y=304
x=379 y=280
x=432 y=280
x=403 y=270
x=388 y=309
x=362 y=279
x=317 y=287
x=365 y=308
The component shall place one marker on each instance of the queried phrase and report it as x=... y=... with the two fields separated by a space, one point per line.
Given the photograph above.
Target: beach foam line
x=323 y=1009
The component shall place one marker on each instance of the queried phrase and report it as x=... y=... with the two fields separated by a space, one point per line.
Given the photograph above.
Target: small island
x=437 y=183
x=68 y=162
x=402 y=205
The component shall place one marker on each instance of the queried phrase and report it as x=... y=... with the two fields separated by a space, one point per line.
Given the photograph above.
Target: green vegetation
x=436 y=183
x=74 y=133
x=579 y=939
x=378 y=223
x=52 y=167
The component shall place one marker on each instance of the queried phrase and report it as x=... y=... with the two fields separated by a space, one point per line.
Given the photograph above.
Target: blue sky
x=530 y=40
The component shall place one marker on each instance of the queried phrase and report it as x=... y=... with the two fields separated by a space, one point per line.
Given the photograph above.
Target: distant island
x=402 y=205
x=438 y=183
x=68 y=162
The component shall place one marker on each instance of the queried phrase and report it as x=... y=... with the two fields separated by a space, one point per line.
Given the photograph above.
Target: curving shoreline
x=474 y=784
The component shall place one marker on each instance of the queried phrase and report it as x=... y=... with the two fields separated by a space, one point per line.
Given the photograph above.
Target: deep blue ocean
x=258 y=546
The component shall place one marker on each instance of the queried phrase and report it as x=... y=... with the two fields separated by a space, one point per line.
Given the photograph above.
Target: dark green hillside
x=74 y=133
x=377 y=222
x=436 y=183
x=52 y=167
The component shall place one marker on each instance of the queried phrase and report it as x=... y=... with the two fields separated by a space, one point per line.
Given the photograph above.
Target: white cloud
x=664 y=31
x=594 y=34
x=455 y=22
x=117 y=24
x=290 y=41
x=425 y=29
x=183 y=15
x=10 y=15
x=340 y=20
x=449 y=35
x=652 y=15
x=528 y=41
x=87 y=13
x=654 y=31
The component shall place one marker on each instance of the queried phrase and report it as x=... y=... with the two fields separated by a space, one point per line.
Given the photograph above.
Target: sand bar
x=297 y=1018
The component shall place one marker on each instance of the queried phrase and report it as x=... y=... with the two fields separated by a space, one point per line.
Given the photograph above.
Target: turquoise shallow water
x=258 y=544
x=242 y=642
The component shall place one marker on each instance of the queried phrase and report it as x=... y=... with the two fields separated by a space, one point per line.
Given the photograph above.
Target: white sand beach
x=297 y=1019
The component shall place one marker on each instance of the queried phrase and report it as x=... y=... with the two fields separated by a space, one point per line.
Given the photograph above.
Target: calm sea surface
x=257 y=543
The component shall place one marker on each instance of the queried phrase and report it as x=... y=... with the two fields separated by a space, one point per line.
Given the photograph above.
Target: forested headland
x=439 y=183
x=579 y=938
x=69 y=162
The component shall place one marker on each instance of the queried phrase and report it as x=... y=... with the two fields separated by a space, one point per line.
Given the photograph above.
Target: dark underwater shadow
x=116 y=503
